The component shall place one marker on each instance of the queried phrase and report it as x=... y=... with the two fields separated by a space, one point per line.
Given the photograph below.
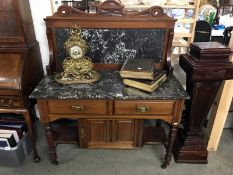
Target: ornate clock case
x=20 y=61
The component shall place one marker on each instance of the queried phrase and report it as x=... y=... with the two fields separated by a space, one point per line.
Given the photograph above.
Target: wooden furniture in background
x=179 y=42
x=78 y=4
x=21 y=67
x=226 y=7
x=206 y=66
x=108 y=117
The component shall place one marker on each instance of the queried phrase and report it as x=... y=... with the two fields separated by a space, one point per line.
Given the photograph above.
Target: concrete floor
x=73 y=160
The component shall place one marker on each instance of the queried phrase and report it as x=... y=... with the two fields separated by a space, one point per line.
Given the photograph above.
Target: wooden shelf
x=154 y=135
x=181 y=35
x=180 y=43
x=179 y=50
x=64 y=131
x=178 y=6
x=187 y=20
x=143 y=7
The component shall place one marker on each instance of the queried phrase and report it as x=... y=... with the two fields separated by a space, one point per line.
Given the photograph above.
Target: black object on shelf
x=202 y=32
x=227 y=35
x=78 y=4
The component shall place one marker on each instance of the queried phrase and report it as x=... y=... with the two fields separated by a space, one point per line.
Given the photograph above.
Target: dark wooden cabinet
x=17 y=28
x=207 y=64
x=20 y=61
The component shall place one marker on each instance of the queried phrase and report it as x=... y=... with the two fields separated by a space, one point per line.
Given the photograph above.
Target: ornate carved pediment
x=110 y=8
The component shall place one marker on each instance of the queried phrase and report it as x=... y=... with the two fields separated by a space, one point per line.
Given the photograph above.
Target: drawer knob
x=10 y=102
x=6 y=101
x=78 y=108
x=143 y=109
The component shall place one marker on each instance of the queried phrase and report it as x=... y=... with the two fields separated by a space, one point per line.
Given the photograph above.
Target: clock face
x=76 y=52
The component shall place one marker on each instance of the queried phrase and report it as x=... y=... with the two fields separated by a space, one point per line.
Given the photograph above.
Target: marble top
x=110 y=86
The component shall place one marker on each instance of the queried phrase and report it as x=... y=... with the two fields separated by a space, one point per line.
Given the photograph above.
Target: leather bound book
x=147 y=85
x=138 y=68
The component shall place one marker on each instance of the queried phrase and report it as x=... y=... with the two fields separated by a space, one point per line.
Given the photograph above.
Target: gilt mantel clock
x=77 y=68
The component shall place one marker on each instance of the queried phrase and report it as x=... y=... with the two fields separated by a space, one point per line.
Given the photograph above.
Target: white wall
x=56 y=4
x=40 y=9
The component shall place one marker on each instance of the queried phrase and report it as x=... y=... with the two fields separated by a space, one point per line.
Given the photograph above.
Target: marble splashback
x=116 y=45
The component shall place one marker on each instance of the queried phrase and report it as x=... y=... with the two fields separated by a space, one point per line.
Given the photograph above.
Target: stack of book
x=12 y=130
x=141 y=74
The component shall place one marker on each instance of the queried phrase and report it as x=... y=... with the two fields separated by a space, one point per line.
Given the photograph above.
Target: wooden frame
x=21 y=62
x=111 y=14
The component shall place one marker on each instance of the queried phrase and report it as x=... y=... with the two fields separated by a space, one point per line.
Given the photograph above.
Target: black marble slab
x=110 y=86
x=114 y=46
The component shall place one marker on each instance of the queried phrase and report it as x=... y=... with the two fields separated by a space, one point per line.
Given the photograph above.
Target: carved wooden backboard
x=113 y=35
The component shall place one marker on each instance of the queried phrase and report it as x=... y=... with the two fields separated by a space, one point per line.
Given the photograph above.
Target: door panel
x=105 y=133
x=123 y=130
x=97 y=132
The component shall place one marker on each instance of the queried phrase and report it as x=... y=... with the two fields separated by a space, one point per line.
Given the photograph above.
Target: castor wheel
x=36 y=159
x=163 y=166
x=54 y=162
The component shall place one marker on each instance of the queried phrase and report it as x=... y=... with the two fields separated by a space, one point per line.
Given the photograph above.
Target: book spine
x=143 y=86
x=138 y=85
x=159 y=82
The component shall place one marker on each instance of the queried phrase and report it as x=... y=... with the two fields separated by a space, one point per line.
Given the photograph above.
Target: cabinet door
x=123 y=130
x=127 y=132
x=100 y=133
x=95 y=132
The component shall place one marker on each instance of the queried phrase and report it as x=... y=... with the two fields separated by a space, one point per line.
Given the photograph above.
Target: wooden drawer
x=10 y=101
x=144 y=107
x=77 y=106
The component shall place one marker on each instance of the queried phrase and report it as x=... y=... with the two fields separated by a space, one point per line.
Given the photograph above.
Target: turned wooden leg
x=52 y=145
x=29 y=122
x=172 y=136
